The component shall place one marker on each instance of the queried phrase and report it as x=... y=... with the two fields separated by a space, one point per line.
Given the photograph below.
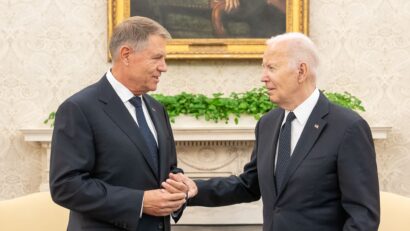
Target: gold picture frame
x=297 y=12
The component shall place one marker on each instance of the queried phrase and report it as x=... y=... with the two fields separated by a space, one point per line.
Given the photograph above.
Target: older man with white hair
x=313 y=162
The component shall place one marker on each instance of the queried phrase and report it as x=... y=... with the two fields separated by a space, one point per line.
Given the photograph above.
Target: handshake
x=177 y=189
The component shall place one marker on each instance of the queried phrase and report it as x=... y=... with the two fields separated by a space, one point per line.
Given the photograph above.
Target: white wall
x=49 y=49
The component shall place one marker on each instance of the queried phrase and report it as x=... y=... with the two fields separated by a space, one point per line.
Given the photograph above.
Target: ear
x=302 y=72
x=124 y=54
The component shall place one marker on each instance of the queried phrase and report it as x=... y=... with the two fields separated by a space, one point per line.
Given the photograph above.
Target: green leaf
x=218 y=108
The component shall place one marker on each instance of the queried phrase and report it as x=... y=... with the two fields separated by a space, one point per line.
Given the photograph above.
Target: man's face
x=280 y=77
x=146 y=65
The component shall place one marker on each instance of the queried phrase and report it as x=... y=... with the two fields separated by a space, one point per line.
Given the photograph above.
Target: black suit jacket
x=331 y=182
x=100 y=165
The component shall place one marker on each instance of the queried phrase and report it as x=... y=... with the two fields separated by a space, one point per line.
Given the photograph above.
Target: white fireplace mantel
x=212 y=133
x=185 y=129
x=191 y=132
x=191 y=129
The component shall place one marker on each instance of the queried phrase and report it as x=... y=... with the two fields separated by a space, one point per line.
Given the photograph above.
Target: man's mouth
x=270 y=89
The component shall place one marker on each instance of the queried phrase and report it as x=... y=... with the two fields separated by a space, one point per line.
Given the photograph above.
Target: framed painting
x=216 y=29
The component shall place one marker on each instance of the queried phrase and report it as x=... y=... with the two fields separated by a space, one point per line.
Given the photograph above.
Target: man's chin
x=152 y=88
x=273 y=99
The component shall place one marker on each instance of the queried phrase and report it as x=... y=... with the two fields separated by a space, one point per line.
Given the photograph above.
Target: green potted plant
x=219 y=108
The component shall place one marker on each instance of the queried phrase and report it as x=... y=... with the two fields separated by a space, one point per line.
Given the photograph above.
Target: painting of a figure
x=215 y=18
x=216 y=29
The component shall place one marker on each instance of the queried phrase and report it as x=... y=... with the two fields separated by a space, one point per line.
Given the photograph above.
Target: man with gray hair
x=313 y=162
x=112 y=144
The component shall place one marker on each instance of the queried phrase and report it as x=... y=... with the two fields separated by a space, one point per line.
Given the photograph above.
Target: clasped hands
x=177 y=189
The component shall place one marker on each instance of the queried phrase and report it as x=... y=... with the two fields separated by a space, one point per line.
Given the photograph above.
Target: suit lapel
x=160 y=128
x=311 y=132
x=272 y=153
x=119 y=114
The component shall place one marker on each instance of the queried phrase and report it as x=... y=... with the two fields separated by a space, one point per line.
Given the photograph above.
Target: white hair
x=300 y=49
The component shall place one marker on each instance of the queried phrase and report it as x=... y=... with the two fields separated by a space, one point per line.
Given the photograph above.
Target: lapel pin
x=317 y=126
x=153 y=109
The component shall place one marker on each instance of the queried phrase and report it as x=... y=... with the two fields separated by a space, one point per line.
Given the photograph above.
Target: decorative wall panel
x=50 y=49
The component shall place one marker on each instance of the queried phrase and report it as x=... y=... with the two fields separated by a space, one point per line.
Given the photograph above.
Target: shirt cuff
x=142 y=206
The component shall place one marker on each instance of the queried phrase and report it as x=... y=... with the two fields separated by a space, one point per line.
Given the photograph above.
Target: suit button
x=160 y=226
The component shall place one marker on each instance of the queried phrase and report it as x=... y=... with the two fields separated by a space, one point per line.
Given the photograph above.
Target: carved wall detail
x=203 y=159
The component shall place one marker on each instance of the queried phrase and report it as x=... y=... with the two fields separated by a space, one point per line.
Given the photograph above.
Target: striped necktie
x=283 y=157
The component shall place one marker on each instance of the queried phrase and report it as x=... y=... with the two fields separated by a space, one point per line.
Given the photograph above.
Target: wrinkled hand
x=174 y=186
x=159 y=202
x=175 y=180
x=231 y=5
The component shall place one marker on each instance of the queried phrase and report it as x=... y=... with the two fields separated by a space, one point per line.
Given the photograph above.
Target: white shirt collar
x=122 y=91
x=303 y=111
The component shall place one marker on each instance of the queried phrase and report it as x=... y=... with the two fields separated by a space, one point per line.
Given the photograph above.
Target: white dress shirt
x=302 y=113
x=125 y=95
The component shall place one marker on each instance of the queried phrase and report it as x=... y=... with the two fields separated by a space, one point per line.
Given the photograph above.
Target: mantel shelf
x=188 y=130
x=224 y=132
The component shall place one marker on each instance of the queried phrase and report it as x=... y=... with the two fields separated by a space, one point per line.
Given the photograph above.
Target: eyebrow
x=270 y=64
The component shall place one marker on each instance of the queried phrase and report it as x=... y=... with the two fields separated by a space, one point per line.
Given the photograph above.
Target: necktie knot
x=136 y=101
x=291 y=117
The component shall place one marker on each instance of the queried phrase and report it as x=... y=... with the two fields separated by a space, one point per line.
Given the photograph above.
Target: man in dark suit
x=313 y=162
x=113 y=145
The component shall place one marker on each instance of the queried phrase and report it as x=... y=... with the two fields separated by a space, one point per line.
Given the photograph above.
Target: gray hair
x=300 y=49
x=135 y=32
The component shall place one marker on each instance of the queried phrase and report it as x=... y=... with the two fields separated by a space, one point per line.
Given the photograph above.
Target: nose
x=162 y=67
x=264 y=77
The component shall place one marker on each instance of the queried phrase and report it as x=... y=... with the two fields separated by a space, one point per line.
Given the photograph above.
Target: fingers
x=174 y=196
x=231 y=5
x=162 y=203
x=236 y=4
x=162 y=211
x=176 y=190
x=176 y=204
x=173 y=186
x=177 y=177
x=192 y=188
x=227 y=6
x=174 y=201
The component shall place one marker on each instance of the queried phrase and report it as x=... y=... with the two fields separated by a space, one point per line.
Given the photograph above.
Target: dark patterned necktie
x=284 y=149
x=145 y=131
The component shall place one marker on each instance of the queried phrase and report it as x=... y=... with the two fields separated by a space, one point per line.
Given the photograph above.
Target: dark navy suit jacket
x=331 y=182
x=100 y=165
